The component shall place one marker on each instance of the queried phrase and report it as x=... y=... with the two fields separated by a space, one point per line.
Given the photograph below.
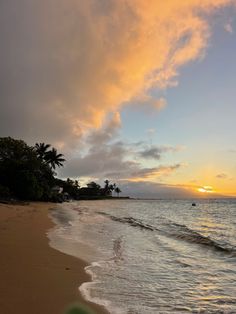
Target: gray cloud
x=133 y=170
x=111 y=161
x=155 y=171
x=155 y=152
x=110 y=158
x=106 y=134
x=98 y=162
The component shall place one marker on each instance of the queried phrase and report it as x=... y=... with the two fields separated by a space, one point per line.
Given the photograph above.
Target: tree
x=11 y=149
x=106 y=184
x=70 y=186
x=27 y=185
x=76 y=183
x=111 y=187
x=118 y=191
x=93 y=190
x=41 y=150
x=22 y=171
x=54 y=159
x=108 y=188
x=93 y=185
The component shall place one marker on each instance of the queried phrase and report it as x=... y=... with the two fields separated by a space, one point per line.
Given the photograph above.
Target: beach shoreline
x=36 y=278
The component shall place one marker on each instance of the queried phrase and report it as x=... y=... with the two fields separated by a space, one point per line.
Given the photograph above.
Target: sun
x=205 y=189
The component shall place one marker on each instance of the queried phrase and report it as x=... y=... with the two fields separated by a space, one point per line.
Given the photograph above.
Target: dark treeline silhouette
x=95 y=191
x=28 y=173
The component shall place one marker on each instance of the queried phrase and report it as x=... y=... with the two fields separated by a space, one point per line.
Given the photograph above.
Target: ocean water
x=153 y=256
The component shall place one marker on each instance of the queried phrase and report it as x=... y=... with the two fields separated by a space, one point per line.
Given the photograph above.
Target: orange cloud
x=72 y=62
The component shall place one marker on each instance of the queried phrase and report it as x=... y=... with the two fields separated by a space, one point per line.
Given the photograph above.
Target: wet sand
x=35 y=278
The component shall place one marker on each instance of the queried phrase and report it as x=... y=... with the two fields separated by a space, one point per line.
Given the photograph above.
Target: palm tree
x=54 y=159
x=76 y=184
x=106 y=184
x=106 y=187
x=111 y=188
x=41 y=150
x=118 y=191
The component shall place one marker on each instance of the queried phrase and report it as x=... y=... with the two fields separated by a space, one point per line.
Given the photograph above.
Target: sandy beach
x=35 y=278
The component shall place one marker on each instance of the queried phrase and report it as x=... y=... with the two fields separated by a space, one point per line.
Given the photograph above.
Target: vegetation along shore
x=28 y=173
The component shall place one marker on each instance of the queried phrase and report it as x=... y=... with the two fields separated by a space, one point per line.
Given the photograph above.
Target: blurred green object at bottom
x=78 y=309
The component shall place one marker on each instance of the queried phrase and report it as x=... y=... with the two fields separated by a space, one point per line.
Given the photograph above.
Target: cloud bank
x=105 y=156
x=66 y=64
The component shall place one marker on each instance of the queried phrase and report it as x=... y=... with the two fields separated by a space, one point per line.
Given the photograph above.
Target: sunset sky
x=141 y=92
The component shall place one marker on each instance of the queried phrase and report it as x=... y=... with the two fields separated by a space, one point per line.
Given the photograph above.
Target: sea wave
x=178 y=231
x=182 y=232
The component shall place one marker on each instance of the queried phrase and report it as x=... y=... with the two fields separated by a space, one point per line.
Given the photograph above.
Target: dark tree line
x=28 y=173
x=95 y=191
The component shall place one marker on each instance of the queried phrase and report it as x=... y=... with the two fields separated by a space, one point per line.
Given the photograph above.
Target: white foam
x=96 y=264
x=85 y=289
x=89 y=271
x=65 y=243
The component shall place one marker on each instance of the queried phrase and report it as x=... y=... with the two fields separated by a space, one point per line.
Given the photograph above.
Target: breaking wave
x=178 y=231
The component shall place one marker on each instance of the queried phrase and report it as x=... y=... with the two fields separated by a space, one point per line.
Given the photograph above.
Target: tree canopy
x=28 y=173
x=23 y=170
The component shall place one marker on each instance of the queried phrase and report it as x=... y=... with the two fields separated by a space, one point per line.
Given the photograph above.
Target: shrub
x=4 y=192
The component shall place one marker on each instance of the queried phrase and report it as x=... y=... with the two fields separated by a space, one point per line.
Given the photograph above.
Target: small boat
x=194 y=204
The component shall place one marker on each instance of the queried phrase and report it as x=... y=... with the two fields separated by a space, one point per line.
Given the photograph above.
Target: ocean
x=153 y=256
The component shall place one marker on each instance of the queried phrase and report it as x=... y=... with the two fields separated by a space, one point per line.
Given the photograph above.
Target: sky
x=138 y=92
